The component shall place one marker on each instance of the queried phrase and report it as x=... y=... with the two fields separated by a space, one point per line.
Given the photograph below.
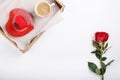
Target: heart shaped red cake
x=20 y=23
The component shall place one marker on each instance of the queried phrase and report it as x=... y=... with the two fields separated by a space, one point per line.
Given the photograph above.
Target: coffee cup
x=43 y=9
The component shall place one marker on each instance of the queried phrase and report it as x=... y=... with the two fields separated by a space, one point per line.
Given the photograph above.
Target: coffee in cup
x=42 y=9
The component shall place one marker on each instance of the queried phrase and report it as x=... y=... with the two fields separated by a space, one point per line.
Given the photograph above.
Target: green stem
x=102 y=76
x=101 y=53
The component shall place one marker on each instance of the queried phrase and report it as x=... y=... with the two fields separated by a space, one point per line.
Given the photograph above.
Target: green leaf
x=103 y=48
x=106 y=49
x=106 y=45
x=92 y=66
x=98 y=71
x=96 y=44
x=103 y=68
x=103 y=65
x=93 y=52
x=96 y=51
x=97 y=55
x=110 y=62
x=104 y=58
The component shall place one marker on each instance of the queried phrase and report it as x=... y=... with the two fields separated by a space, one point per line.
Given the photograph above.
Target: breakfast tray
x=24 y=43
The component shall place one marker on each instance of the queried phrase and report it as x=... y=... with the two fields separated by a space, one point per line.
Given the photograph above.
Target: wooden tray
x=24 y=43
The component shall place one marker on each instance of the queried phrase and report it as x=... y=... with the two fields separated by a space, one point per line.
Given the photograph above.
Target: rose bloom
x=101 y=36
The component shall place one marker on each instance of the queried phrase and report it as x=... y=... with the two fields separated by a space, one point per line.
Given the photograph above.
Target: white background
x=63 y=51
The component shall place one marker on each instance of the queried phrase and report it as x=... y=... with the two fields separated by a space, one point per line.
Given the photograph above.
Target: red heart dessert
x=20 y=23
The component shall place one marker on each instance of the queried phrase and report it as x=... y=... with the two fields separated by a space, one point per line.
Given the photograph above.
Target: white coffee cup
x=42 y=9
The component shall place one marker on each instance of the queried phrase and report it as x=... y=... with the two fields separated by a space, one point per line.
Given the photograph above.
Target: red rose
x=101 y=36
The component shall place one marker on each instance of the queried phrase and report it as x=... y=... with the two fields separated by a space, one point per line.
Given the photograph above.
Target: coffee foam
x=43 y=9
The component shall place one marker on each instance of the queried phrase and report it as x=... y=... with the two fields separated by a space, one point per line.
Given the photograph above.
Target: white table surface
x=63 y=51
